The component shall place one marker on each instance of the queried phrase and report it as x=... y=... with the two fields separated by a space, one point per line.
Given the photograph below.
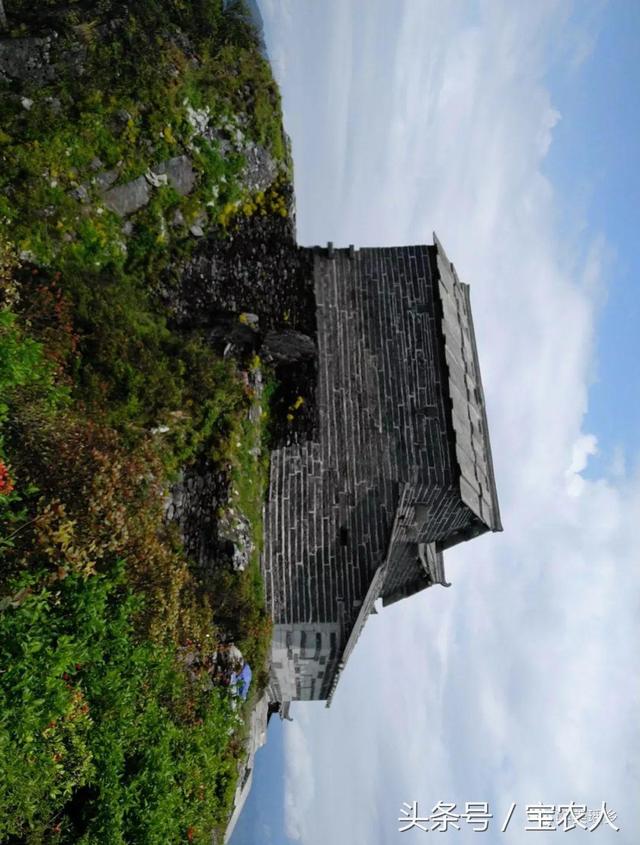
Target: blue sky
x=511 y=129
x=594 y=155
x=263 y=817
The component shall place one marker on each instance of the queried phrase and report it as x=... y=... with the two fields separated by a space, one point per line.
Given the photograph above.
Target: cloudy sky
x=510 y=128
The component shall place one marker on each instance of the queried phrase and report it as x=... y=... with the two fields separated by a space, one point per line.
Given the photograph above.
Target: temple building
x=398 y=467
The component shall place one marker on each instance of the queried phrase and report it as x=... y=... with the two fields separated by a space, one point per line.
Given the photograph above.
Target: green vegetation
x=105 y=735
x=169 y=69
x=240 y=610
x=266 y=202
x=103 y=738
x=142 y=100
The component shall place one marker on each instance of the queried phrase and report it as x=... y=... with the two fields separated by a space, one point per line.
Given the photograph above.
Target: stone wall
x=383 y=418
x=258 y=268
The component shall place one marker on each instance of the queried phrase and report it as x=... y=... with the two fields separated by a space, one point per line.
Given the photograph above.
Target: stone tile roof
x=468 y=410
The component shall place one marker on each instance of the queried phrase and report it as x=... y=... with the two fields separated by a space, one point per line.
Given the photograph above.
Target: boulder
x=179 y=172
x=260 y=168
x=26 y=60
x=287 y=347
x=125 y=199
x=81 y=194
x=234 y=528
x=103 y=181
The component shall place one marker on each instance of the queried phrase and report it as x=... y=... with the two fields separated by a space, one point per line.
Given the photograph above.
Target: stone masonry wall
x=383 y=417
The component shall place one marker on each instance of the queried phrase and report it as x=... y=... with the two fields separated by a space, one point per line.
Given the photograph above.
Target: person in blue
x=241 y=681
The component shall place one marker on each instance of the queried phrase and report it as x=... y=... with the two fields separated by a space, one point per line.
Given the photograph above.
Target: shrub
x=23 y=367
x=103 y=737
x=96 y=499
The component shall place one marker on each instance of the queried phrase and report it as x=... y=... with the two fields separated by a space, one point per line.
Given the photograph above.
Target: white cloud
x=585 y=446
x=518 y=683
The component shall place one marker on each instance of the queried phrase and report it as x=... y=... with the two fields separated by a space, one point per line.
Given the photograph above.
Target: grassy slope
x=104 y=736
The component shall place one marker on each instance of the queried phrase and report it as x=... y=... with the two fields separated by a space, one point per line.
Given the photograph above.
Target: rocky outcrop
x=127 y=198
x=177 y=172
x=260 y=169
x=287 y=347
x=204 y=504
x=27 y=59
x=234 y=529
x=193 y=503
x=39 y=59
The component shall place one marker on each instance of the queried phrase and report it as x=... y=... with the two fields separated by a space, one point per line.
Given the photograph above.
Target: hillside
x=146 y=254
